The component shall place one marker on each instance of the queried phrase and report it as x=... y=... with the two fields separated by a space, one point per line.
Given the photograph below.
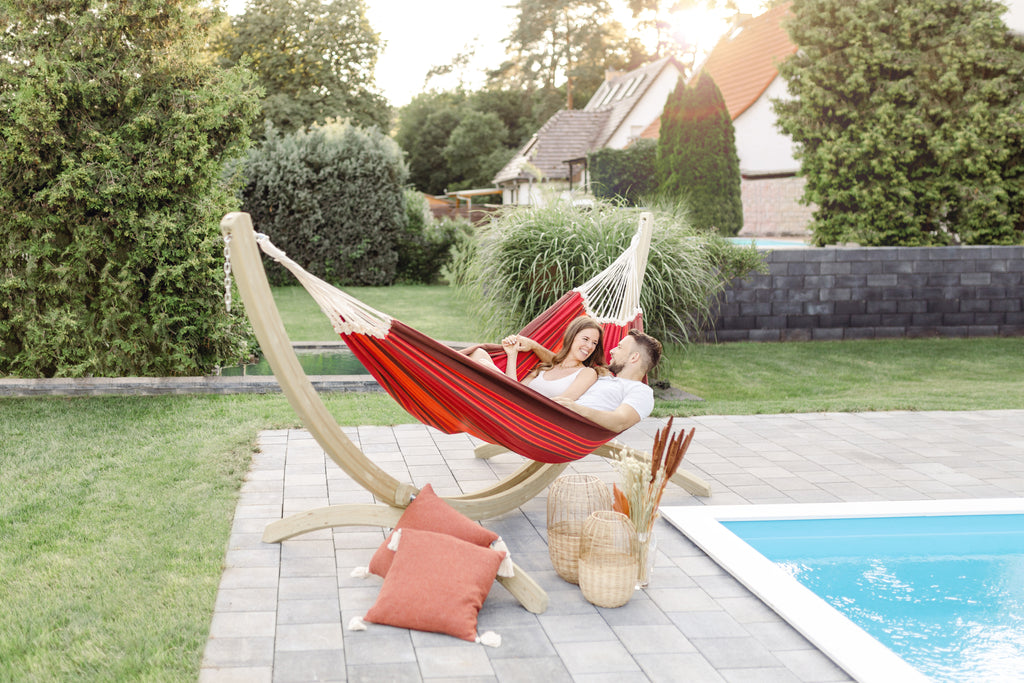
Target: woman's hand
x=521 y=343
x=511 y=345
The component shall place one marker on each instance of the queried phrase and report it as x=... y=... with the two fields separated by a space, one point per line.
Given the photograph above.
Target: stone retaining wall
x=877 y=292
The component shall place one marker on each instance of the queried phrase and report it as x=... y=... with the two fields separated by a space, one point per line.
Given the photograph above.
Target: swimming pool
x=765 y=243
x=849 y=575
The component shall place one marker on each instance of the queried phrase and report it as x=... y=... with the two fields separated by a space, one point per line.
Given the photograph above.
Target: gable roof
x=569 y=134
x=744 y=61
x=572 y=133
x=620 y=94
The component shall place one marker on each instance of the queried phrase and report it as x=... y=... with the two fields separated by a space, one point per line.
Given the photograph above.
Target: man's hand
x=618 y=420
x=568 y=403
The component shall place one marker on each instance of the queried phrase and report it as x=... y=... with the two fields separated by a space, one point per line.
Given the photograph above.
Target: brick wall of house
x=876 y=292
x=771 y=207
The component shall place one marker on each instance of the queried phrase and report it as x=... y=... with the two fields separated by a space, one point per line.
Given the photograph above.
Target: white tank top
x=552 y=387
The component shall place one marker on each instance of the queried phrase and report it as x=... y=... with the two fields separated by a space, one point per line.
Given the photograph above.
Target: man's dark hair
x=650 y=346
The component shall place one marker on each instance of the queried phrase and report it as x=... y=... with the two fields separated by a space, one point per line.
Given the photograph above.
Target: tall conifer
x=696 y=156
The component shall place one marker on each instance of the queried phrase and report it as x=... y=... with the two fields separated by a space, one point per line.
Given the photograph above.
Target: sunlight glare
x=698 y=28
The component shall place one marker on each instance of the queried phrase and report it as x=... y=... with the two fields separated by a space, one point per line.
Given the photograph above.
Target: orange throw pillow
x=436 y=583
x=428 y=512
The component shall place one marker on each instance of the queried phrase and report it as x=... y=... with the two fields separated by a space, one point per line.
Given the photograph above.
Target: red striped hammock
x=448 y=390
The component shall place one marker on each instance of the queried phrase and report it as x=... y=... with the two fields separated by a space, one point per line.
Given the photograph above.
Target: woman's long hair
x=595 y=359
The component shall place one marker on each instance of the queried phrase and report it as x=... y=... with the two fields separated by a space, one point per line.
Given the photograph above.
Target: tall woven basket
x=571 y=500
x=608 y=559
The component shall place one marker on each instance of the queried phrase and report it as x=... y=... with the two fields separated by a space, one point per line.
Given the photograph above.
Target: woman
x=570 y=372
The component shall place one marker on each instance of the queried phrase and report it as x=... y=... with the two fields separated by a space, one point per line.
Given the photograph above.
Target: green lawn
x=434 y=310
x=900 y=374
x=115 y=511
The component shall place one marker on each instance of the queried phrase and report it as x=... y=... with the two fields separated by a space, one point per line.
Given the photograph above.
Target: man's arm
x=618 y=420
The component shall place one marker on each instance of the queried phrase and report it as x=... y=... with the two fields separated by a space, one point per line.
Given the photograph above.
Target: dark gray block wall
x=876 y=292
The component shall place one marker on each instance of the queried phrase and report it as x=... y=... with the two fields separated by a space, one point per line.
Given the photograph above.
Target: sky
x=420 y=34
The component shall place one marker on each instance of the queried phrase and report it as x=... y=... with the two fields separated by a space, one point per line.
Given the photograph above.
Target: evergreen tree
x=114 y=139
x=696 y=157
x=907 y=119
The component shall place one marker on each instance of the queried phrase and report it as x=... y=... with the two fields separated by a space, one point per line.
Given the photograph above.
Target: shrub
x=425 y=245
x=908 y=124
x=114 y=138
x=625 y=174
x=529 y=257
x=332 y=197
x=696 y=159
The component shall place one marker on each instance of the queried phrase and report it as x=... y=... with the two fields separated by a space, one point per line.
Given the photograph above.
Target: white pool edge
x=850 y=647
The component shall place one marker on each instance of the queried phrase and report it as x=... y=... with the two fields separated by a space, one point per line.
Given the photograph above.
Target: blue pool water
x=767 y=243
x=946 y=593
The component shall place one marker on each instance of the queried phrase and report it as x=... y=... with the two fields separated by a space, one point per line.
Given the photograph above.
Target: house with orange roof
x=744 y=65
x=555 y=157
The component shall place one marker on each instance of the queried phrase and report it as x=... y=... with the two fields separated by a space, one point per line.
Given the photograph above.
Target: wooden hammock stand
x=506 y=495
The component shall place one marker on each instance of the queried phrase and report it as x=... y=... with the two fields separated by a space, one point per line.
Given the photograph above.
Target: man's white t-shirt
x=609 y=392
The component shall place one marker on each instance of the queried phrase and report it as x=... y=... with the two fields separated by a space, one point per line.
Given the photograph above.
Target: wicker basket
x=608 y=559
x=571 y=499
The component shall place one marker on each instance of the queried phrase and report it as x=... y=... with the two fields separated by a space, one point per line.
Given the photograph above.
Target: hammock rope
x=446 y=389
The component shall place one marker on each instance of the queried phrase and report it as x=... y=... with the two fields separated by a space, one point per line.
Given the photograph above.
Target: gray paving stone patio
x=282 y=609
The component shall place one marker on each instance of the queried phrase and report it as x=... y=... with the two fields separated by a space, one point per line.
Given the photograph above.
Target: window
x=633 y=85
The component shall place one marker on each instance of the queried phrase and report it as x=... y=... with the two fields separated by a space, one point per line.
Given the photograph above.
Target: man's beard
x=616 y=368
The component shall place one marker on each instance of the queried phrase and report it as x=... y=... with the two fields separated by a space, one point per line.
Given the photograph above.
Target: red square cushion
x=436 y=583
x=428 y=512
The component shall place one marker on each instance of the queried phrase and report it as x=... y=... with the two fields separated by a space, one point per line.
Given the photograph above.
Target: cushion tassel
x=490 y=639
x=506 y=568
x=356 y=624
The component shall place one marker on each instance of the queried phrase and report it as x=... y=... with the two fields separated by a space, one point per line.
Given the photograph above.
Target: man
x=619 y=402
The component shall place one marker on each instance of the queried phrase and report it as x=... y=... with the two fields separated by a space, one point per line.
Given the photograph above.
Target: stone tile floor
x=282 y=609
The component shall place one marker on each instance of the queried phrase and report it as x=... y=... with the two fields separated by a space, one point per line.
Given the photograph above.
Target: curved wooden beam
x=504 y=496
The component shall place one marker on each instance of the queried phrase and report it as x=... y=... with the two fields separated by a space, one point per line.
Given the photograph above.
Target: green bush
x=114 y=138
x=696 y=159
x=333 y=198
x=908 y=124
x=425 y=245
x=625 y=174
x=530 y=256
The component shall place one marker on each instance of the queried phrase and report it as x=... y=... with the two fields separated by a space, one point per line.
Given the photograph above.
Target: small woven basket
x=571 y=500
x=608 y=559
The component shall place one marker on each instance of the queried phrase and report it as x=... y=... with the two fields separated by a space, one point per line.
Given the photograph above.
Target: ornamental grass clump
x=528 y=257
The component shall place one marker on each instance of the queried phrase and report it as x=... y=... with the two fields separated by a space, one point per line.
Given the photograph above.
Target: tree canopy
x=315 y=59
x=564 y=47
x=459 y=140
x=907 y=119
x=696 y=156
x=115 y=135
